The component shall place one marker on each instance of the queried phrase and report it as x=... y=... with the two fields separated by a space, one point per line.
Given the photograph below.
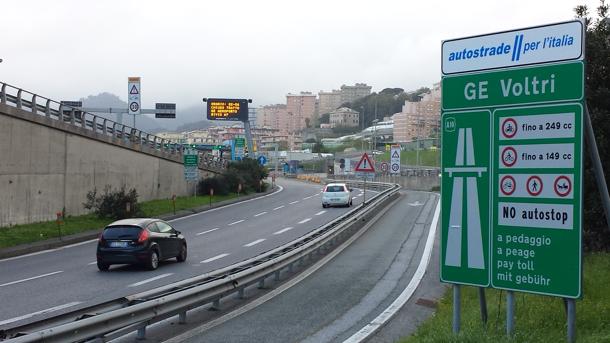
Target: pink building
x=300 y=109
x=419 y=119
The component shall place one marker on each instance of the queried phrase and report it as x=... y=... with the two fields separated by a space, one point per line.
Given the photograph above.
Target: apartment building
x=419 y=119
x=357 y=91
x=344 y=117
x=300 y=109
x=328 y=101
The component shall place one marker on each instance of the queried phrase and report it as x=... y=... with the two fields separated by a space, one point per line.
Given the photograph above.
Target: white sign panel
x=548 y=186
x=542 y=126
x=395 y=159
x=133 y=95
x=550 y=216
x=549 y=43
x=537 y=156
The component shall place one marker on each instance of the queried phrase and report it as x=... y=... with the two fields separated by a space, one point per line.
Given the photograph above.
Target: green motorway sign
x=511 y=189
x=537 y=199
x=465 y=197
x=191 y=160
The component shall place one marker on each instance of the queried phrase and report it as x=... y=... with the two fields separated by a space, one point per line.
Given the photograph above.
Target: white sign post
x=133 y=95
x=395 y=159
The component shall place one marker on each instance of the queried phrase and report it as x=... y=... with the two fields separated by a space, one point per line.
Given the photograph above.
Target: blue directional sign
x=262 y=160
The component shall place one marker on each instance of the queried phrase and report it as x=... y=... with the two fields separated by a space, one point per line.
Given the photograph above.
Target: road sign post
x=512 y=126
x=133 y=96
x=395 y=159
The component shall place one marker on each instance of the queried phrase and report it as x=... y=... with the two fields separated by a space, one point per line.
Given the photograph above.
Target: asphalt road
x=42 y=284
x=348 y=292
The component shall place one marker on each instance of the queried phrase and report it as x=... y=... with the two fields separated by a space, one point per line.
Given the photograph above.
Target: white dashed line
x=150 y=280
x=30 y=278
x=305 y=198
x=237 y=222
x=277 y=208
x=92 y=263
x=283 y=230
x=320 y=213
x=214 y=258
x=208 y=231
x=254 y=243
x=304 y=220
x=294 y=202
x=52 y=309
x=260 y=214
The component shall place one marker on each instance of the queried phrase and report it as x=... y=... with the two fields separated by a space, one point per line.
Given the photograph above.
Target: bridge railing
x=53 y=110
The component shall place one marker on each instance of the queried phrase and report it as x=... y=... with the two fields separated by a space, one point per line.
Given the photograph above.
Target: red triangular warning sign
x=134 y=90
x=365 y=165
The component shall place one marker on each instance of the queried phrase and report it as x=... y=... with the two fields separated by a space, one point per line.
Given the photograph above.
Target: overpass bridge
x=53 y=154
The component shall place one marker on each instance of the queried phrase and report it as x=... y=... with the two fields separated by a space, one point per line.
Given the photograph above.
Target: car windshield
x=118 y=232
x=335 y=189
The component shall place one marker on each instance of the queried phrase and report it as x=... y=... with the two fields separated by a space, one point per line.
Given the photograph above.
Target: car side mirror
x=351 y=189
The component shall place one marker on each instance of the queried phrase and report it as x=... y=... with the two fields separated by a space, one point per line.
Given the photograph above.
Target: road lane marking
x=150 y=280
x=255 y=242
x=304 y=220
x=277 y=291
x=260 y=214
x=280 y=188
x=52 y=309
x=283 y=230
x=208 y=231
x=277 y=208
x=92 y=263
x=217 y=257
x=237 y=222
x=305 y=198
x=31 y=278
x=406 y=294
x=294 y=202
x=320 y=213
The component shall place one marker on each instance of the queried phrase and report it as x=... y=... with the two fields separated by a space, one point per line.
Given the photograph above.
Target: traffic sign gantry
x=526 y=153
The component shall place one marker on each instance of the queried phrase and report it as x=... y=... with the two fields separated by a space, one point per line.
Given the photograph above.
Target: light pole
x=362 y=129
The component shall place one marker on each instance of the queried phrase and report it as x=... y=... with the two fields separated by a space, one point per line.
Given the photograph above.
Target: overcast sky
x=186 y=50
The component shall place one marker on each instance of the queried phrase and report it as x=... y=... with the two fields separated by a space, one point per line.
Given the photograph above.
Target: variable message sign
x=227 y=109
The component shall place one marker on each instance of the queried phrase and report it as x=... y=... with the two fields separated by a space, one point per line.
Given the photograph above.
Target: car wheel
x=350 y=202
x=324 y=206
x=103 y=267
x=182 y=255
x=153 y=260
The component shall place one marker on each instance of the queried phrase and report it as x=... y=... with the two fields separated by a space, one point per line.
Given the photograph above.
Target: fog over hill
x=190 y=118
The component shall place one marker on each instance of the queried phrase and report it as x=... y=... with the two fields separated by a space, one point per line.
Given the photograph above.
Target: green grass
x=429 y=158
x=537 y=318
x=28 y=233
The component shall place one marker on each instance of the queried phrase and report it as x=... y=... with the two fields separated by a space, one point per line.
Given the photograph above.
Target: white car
x=336 y=194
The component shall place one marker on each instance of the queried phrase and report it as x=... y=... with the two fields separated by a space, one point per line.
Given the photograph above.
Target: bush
x=246 y=172
x=114 y=204
x=218 y=183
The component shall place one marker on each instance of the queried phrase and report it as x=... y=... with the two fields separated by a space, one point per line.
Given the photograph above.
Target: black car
x=143 y=241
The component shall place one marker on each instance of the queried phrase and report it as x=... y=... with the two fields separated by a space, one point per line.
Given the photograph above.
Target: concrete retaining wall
x=45 y=168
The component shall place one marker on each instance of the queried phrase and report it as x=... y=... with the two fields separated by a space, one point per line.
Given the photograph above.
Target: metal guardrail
x=53 y=110
x=116 y=318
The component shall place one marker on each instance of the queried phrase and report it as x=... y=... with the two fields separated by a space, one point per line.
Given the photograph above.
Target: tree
x=325 y=118
x=597 y=85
